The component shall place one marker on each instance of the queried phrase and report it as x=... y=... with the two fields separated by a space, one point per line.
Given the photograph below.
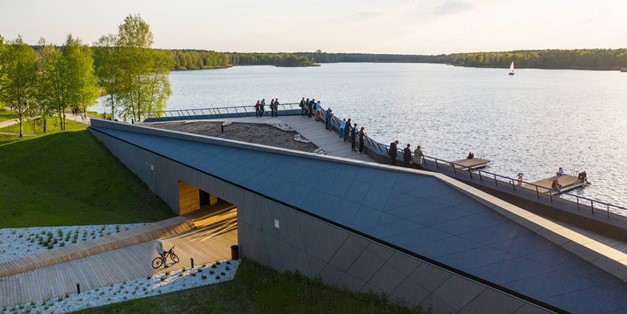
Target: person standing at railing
x=318 y=109
x=262 y=107
x=257 y=108
x=393 y=152
x=362 y=134
x=407 y=155
x=310 y=107
x=276 y=108
x=342 y=127
x=418 y=156
x=303 y=106
x=353 y=137
x=347 y=129
x=272 y=108
x=329 y=117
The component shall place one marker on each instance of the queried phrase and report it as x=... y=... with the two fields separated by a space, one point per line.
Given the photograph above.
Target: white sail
x=511 y=68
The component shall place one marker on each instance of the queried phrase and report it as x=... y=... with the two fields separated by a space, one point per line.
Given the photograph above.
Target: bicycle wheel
x=157 y=262
x=174 y=258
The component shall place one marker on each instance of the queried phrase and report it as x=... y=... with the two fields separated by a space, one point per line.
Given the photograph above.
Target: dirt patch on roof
x=263 y=134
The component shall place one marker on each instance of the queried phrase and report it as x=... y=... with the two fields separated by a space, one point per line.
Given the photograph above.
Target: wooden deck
x=475 y=163
x=209 y=240
x=67 y=253
x=568 y=183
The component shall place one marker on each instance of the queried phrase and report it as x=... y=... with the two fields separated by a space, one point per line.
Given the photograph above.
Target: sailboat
x=511 y=68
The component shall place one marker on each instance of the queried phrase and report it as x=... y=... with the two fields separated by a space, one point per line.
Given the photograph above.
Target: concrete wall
x=289 y=239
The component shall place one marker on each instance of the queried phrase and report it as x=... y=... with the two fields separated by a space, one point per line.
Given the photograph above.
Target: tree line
x=589 y=59
x=44 y=82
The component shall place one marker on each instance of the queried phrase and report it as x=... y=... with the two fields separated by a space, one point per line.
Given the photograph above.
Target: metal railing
x=485 y=178
x=489 y=178
x=220 y=112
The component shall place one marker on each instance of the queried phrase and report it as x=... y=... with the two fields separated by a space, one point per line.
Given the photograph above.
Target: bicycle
x=158 y=261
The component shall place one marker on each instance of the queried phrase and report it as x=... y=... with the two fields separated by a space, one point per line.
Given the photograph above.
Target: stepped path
x=206 y=236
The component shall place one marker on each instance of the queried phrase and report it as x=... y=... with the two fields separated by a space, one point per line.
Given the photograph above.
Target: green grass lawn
x=51 y=127
x=6 y=114
x=69 y=178
x=259 y=289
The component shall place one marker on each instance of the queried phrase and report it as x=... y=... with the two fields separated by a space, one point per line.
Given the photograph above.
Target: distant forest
x=585 y=59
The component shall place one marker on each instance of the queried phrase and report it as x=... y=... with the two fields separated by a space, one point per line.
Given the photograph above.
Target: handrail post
x=537 y=192
x=470 y=172
x=513 y=185
x=551 y=195
x=495 y=182
x=608 y=210
x=480 y=177
x=436 y=163
x=454 y=170
x=577 y=197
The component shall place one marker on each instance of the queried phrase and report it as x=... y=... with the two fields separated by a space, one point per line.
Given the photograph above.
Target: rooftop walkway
x=208 y=239
x=428 y=214
x=309 y=128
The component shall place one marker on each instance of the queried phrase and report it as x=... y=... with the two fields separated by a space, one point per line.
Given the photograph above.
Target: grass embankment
x=259 y=289
x=6 y=114
x=69 y=178
x=29 y=131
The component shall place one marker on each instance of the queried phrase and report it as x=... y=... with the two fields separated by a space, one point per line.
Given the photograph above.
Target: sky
x=368 y=26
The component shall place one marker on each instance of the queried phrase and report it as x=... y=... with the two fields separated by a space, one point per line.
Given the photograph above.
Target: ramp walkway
x=206 y=237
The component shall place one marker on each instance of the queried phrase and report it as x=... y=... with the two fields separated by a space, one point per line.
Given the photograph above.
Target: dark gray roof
x=419 y=213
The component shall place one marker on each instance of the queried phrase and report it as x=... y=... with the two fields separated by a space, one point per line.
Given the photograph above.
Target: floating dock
x=568 y=183
x=472 y=164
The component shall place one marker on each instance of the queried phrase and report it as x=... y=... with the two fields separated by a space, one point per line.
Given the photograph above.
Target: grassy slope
x=257 y=288
x=52 y=126
x=70 y=178
x=6 y=114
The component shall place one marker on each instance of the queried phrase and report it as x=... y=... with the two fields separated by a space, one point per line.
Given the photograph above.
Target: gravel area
x=20 y=242
x=134 y=289
x=246 y=132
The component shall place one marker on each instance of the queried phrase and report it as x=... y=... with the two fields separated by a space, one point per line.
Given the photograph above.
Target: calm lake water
x=532 y=122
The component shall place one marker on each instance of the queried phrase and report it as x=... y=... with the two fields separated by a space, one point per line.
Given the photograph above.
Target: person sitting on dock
x=520 y=178
x=583 y=176
x=560 y=172
x=470 y=155
x=556 y=185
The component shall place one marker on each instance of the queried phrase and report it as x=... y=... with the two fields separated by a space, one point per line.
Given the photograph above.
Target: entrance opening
x=214 y=219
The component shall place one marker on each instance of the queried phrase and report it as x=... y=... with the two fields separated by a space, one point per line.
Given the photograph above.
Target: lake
x=533 y=122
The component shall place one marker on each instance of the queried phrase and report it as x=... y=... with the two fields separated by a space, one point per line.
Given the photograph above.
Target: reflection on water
x=533 y=122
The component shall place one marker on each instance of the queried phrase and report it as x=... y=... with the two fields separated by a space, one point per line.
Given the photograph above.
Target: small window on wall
x=276 y=223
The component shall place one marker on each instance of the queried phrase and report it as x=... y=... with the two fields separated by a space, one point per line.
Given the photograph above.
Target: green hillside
x=69 y=178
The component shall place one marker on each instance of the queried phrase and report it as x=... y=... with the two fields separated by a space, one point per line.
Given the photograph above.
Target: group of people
x=581 y=176
x=408 y=159
x=348 y=129
x=260 y=108
x=310 y=108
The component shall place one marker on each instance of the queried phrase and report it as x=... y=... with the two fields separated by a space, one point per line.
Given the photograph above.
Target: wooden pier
x=472 y=164
x=567 y=182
